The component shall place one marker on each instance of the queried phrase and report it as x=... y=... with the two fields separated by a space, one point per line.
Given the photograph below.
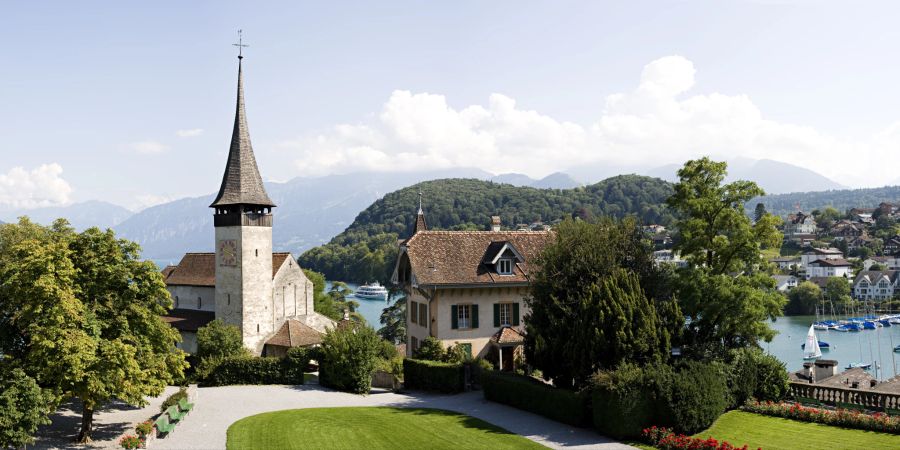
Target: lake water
x=369 y=309
x=867 y=346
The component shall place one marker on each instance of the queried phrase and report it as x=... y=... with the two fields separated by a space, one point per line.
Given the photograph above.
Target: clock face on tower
x=228 y=250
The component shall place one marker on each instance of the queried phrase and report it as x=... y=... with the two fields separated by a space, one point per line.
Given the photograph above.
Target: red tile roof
x=456 y=257
x=199 y=269
x=295 y=334
x=508 y=335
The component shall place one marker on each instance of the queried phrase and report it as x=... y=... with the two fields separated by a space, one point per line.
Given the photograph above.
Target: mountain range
x=313 y=210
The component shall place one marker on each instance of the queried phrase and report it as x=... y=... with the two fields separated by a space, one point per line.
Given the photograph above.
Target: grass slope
x=371 y=429
x=771 y=433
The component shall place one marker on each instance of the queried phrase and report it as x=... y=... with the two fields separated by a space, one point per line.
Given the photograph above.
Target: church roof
x=199 y=269
x=294 y=333
x=241 y=183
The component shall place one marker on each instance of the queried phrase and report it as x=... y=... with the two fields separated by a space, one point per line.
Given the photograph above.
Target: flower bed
x=131 y=441
x=664 y=439
x=839 y=417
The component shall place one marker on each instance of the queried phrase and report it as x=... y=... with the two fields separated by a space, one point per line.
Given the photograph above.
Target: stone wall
x=193 y=297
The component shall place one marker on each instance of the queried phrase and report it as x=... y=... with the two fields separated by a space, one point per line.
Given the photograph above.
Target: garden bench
x=163 y=426
x=174 y=414
x=809 y=401
x=185 y=406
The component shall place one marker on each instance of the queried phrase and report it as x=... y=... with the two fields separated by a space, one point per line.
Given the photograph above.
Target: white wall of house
x=827 y=271
x=878 y=289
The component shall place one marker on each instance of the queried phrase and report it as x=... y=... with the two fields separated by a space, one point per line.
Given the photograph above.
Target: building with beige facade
x=467 y=288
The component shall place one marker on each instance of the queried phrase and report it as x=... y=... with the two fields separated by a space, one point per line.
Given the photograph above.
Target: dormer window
x=504 y=266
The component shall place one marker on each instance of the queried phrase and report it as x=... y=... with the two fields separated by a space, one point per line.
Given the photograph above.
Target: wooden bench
x=163 y=426
x=185 y=406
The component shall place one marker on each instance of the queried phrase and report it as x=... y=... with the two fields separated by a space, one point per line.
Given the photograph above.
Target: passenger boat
x=372 y=291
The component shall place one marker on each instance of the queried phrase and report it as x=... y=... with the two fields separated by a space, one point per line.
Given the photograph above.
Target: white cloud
x=148 y=147
x=193 y=132
x=656 y=123
x=26 y=189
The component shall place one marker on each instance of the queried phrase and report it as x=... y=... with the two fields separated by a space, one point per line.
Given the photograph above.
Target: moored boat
x=811 y=348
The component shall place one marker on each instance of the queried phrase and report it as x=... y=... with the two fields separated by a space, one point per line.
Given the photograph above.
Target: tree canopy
x=81 y=314
x=597 y=300
x=724 y=293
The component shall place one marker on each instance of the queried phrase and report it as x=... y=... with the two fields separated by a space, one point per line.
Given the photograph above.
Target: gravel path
x=217 y=408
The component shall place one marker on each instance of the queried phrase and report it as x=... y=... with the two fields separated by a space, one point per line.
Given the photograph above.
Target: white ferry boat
x=372 y=291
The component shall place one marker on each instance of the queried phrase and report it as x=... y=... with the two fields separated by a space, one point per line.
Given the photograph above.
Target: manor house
x=244 y=283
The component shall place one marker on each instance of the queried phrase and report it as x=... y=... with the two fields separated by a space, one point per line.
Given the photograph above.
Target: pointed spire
x=241 y=183
x=420 y=218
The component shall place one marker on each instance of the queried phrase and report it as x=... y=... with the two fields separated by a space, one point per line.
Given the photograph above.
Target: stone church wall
x=193 y=297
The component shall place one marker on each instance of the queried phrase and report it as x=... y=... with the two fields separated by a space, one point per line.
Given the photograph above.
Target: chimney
x=495 y=223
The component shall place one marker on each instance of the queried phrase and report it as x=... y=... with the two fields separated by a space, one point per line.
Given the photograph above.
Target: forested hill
x=842 y=200
x=366 y=250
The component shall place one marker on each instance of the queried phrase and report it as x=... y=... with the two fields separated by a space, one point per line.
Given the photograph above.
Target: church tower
x=243 y=223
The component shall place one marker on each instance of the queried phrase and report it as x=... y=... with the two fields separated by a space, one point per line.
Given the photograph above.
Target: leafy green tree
x=596 y=301
x=23 y=407
x=219 y=340
x=393 y=321
x=837 y=293
x=348 y=358
x=803 y=299
x=339 y=292
x=86 y=312
x=723 y=292
x=430 y=349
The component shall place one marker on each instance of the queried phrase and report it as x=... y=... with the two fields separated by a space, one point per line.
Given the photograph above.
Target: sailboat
x=811 y=348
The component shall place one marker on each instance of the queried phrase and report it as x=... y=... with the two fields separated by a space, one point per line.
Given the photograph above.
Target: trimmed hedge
x=255 y=370
x=434 y=376
x=534 y=396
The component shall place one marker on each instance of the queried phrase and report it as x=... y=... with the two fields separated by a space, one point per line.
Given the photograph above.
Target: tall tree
x=88 y=313
x=837 y=293
x=803 y=299
x=722 y=291
x=759 y=212
x=596 y=301
x=393 y=321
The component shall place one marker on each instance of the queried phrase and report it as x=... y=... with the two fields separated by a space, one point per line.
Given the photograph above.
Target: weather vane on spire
x=240 y=44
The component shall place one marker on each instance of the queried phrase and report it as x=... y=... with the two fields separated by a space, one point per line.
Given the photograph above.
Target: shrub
x=840 y=417
x=144 y=428
x=348 y=358
x=295 y=363
x=665 y=439
x=430 y=349
x=433 y=376
x=246 y=370
x=756 y=375
x=24 y=407
x=218 y=340
x=630 y=398
x=131 y=441
x=173 y=399
x=535 y=396
x=697 y=396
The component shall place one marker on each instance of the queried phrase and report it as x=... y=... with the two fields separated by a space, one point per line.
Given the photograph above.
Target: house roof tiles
x=199 y=269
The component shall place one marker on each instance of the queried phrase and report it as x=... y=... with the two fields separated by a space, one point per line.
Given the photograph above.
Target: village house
x=830 y=267
x=784 y=283
x=785 y=262
x=799 y=223
x=876 y=285
x=892 y=246
x=244 y=283
x=467 y=288
x=889 y=262
x=847 y=231
x=816 y=254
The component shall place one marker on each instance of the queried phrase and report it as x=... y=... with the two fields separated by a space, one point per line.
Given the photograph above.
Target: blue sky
x=133 y=103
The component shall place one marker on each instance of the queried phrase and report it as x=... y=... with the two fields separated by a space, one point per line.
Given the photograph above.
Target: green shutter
x=496 y=314
x=515 y=316
x=474 y=316
x=454 y=317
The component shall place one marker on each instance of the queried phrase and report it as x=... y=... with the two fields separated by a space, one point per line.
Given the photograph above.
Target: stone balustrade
x=873 y=400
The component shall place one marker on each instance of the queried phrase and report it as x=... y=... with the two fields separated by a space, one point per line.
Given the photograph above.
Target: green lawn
x=370 y=428
x=770 y=433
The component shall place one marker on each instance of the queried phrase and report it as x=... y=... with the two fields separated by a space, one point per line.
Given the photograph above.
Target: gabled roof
x=872 y=276
x=294 y=333
x=199 y=269
x=448 y=258
x=824 y=251
x=835 y=262
x=498 y=249
x=241 y=183
x=508 y=335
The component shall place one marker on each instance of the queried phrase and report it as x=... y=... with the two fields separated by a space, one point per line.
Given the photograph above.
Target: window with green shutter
x=474 y=316
x=515 y=314
x=496 y=314
x=454 y=317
